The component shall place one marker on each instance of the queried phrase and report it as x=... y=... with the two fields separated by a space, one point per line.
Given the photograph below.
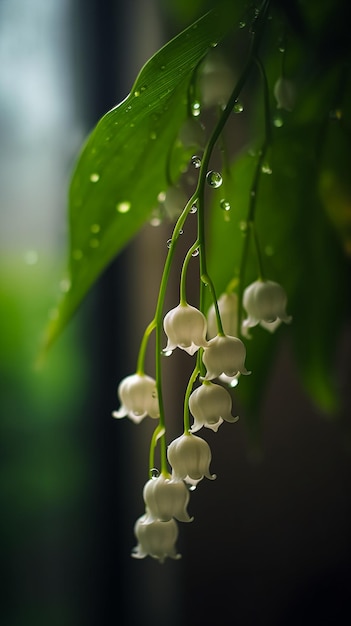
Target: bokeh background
x=271 y=540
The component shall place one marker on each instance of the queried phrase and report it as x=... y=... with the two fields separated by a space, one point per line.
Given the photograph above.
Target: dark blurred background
x=270 y=543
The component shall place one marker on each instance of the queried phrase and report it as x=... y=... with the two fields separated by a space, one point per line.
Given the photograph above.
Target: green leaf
x=123 y=166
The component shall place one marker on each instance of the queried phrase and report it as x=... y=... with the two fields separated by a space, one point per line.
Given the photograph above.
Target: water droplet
x=266 y=169
x=224 y=204
x=243 y=226
x=162 y=67
x=137 y=93
x=169 y=243
x=94 y=177
x=123 y=207
x=153 y=135
x=196 y=108
x=190 y=487
x=234 y=382
x=128 y=108
x=252 y=193
x=143 y=88
x=196 y=252
x=154 y=472
x=196 y=161
x=214 y=179
x=94 y=243
x=65 y=285
x=242 y=24
x=238 y=107
x=31 y=257
x=161 y=196
x=77 y=255
x=181 y=231
x=166 y=352
x=193 y=208
x=214 y=44
x=277 y=121
x=155 y=221
x=95 y=228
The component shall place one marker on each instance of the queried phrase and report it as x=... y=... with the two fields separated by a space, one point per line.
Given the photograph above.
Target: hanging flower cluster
x=212 y=336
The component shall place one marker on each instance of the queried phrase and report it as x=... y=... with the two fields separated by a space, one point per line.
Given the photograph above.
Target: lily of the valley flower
x=190 y=458
x=224 y=355
x=138 y=397
x=165 y=498
x=185 y=327
x=228 y=309
x=265 y=302
x=285 y=94
x=210 y=404
x=156 y=539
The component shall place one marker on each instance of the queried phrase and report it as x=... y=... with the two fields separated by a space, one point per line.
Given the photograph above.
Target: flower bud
x=138 y=396
x=156 y=539
x=228 y=309
x=190 y=458
x=185 y=327
x=166 y=498
x=224 y=355
x=210 y=404
x=265 y=303
x=285 y=94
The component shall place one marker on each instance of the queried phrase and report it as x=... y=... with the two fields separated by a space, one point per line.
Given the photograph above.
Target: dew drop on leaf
x=225 y=205
x=196 y=161
x=193 y=208
x=238 y=107
x=94 y=177
x=169 y=243
x=94 y=243
x=214 y=179
x=123 y=207
x=95 y=228
x=277 y=121
x=266 y=169
x=196 y=108
x=196 y=252
x=77 y=254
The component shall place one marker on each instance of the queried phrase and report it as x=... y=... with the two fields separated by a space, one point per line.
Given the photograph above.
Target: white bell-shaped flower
x=165 y=498
x=185 y=327
x=138 y=397
x=210 y=404
x=228 y=309
x=285 y=94
x=265 y=302
x=224 y=355
x=156 y=539
x=190 y=458
x=174 y=202
x=216 y=80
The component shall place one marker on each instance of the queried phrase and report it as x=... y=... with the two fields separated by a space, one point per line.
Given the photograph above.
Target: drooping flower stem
x=188 y=391
x=143 y=347
x=189 y=254
x=250 y=221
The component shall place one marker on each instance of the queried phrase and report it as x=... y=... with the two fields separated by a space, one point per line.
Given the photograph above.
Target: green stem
x=188 y=391
x=187 y=259
x=143 y=346
x=250 y=221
